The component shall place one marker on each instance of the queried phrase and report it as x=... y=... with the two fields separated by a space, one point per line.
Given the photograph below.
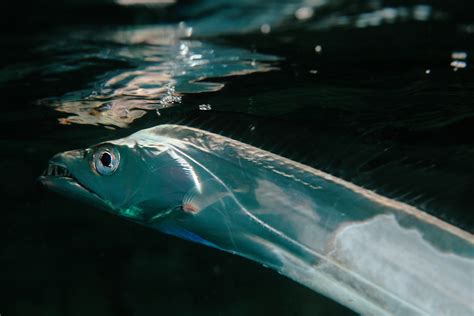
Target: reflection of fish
x=372 y=254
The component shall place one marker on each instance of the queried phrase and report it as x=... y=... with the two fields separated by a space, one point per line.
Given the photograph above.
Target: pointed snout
x=65 y=158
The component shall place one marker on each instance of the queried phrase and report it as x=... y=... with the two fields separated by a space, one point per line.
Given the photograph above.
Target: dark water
x=379 y=93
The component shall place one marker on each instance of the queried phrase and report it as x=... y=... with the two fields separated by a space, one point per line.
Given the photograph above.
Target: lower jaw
x=70 y=188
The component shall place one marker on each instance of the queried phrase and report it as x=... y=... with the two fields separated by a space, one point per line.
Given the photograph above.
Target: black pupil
x=106 y=159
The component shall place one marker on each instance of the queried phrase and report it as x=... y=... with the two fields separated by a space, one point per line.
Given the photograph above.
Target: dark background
x=371 y=115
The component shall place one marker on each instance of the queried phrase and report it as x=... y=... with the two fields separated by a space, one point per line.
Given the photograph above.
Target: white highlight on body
x=398 y=258
x=186 y=166
x=271 y=195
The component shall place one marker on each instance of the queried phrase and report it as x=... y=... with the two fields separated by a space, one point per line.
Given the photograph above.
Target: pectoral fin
x=204 y=195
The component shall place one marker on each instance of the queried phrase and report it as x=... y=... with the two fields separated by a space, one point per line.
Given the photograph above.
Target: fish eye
x=106 y=160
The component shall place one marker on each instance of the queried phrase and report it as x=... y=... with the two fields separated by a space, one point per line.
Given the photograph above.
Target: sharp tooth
x=57 y=171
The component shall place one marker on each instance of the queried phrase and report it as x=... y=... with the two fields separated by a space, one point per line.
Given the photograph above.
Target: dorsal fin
x=426 y=177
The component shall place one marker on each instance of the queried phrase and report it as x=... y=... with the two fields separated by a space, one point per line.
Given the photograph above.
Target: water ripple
x=164 y=64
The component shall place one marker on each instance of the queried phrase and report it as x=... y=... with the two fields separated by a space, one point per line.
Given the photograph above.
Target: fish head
x=137 y=180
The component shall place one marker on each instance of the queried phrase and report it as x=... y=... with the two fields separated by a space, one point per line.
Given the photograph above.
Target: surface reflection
x=238 y=17
x=166 y=64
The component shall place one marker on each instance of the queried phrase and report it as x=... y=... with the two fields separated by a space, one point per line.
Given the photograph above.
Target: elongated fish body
x=372 y=254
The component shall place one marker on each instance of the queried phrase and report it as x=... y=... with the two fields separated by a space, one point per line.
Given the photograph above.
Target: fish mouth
x=56 y=170
x=59 y=178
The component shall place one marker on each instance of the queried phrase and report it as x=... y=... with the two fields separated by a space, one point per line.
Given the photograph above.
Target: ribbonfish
x=372 y=254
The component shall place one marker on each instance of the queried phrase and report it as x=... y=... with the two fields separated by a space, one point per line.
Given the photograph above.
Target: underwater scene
x=217 y=157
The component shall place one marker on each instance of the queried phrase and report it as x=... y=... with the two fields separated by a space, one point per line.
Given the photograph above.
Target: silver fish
x=372 y=254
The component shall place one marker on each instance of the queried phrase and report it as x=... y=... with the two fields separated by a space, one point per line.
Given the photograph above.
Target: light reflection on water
x=163 y=62
x=167 y=64
x=377 y=15
x=240 y=17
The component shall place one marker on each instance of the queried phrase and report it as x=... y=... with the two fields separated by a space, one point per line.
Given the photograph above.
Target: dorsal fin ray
x=422 y=177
